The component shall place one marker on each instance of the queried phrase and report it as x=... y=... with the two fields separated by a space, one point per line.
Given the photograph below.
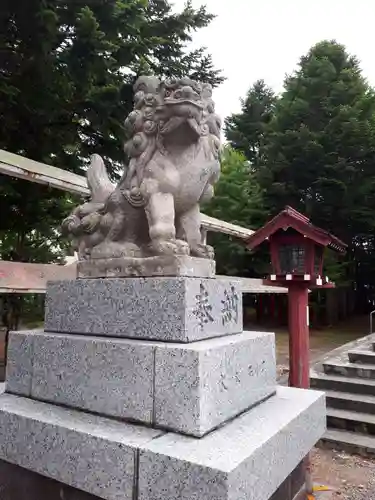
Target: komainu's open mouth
x=179 y=122
x=176 y=102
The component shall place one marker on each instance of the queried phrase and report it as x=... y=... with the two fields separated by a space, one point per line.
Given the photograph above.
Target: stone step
x=359 y=370
x=344 y=384
x=352 y=402
x=351 y=442
x=352 y=421
x=366 y=357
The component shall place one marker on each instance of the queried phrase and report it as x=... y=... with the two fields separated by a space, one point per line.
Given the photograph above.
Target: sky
x=265 y=39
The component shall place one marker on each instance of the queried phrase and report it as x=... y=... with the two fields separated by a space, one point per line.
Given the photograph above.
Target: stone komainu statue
x=174 y=162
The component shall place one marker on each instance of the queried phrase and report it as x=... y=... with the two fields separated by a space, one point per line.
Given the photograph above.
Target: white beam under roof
x=254 y=285
x=41 y=173
x=24 y=277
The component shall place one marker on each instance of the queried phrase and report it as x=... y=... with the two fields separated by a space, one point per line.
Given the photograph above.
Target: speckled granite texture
x=166 y=309
x=199 y=386
x=190 y=388
x=248 y=458
x=94 y=454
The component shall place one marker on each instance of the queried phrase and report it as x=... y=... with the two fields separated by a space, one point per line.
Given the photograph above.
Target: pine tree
x=321 y=151
x=246 y=131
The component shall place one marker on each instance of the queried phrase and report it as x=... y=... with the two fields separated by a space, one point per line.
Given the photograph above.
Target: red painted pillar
x=299 y=355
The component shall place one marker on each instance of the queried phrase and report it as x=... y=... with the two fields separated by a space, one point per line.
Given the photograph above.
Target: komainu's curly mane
x=172 y=147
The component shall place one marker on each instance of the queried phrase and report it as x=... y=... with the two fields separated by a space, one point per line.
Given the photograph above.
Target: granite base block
x=19 y=366
x=165 y=265
x=112 y=377
x=166 y=309
x=93 y=454
x=189 y=388
x=201 y=385
x=248 y=458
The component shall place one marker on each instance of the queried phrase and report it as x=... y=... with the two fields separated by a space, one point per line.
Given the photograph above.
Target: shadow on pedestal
x=293 y=486
x=17 y=483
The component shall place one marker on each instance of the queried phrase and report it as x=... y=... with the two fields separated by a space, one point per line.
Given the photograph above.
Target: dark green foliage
x=246 y=131
x=67 y=70
x=314 y=148
x=321 y=152
x=237 y=200
x=66 y=73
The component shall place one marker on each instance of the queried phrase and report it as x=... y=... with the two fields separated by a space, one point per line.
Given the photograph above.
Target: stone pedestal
x=147 y=389
x=167 y=265
x=166 y=309
x=190 y=388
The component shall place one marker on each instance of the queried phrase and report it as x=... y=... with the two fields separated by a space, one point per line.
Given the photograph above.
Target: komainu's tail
x=98 y=181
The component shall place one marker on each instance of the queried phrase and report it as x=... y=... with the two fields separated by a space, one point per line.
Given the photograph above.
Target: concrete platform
x=362 y=357
x=322 y=381
x=347 y=375
x=190 y=388
x=352 y=402
x=114 y=461
x=350 y=369
x=350 y=442
x=353 y=421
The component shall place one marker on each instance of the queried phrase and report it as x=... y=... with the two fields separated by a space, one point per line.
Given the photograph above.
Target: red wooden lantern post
x=297 y=261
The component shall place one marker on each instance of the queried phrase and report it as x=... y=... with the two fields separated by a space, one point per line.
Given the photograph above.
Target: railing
x=23 y=168
x=41 y=173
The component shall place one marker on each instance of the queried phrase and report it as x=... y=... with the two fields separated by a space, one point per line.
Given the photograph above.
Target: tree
x=320 y=152
x=237 y=200
x=246 y=131
x=68 y=66
x=66 y=73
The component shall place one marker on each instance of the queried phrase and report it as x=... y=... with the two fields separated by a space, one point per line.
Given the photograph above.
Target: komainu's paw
x=169 y=247
x=183 y=247
x=203 y=251
x=114 y=249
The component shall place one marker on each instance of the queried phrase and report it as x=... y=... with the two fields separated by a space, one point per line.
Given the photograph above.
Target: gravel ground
x=351 y=477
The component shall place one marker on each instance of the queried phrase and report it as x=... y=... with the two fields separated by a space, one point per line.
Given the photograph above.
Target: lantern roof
x=290 y=218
